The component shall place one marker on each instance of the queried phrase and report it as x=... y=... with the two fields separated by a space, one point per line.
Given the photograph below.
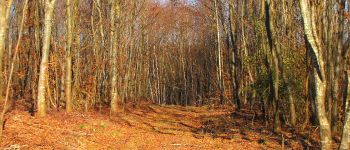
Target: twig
x=282 y=142
x=253 y=118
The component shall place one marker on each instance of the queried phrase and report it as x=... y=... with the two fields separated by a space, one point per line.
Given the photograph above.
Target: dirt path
x=151 y=127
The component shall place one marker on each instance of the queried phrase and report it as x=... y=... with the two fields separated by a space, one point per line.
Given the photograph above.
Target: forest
x=175 y=74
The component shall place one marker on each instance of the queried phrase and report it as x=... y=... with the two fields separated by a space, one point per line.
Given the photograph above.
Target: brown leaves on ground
x=144 y=127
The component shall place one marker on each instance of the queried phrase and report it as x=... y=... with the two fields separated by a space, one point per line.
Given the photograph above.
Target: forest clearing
x=175 y=74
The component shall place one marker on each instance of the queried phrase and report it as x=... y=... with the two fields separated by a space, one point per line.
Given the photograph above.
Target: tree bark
x=320 y=83
x=345 y=142
x=271 y=36
x=234 y=59
x=50 y=5
x=220 y=61
x=114 y=37
x=336 y=94
x=7 y=104
x=68 y=80
x=4 y=24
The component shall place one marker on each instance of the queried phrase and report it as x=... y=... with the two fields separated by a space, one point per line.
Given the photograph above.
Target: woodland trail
x=143 y=127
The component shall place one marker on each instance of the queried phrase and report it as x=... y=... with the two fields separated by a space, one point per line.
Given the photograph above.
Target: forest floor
x=144 y=127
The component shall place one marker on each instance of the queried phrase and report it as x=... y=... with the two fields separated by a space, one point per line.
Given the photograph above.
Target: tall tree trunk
x=271 y=36
x=234 y=59
x=320 y=83
x=4 y=15
x=220 y=61
x=37 y=26
x=100 y=54
x=345 y=142
x=286 y=25
x=114 y=37
x=68 y=80
x=7 y=104
x=43 y=75
x=336 y=94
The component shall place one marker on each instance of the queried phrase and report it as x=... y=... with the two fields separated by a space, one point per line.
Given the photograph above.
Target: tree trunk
x=68 y=80
x=220 y=62
x=345 y=142
x=114 y=37
x=276 y=63
x=336 y=94
x=50 y=5
x=320 y=83
x=4 y=15
x=234 y=60
x=7 y=104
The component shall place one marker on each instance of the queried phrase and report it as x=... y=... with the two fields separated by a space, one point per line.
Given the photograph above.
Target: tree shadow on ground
x=250 y=126
x=156 y=119
x=245 y=125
